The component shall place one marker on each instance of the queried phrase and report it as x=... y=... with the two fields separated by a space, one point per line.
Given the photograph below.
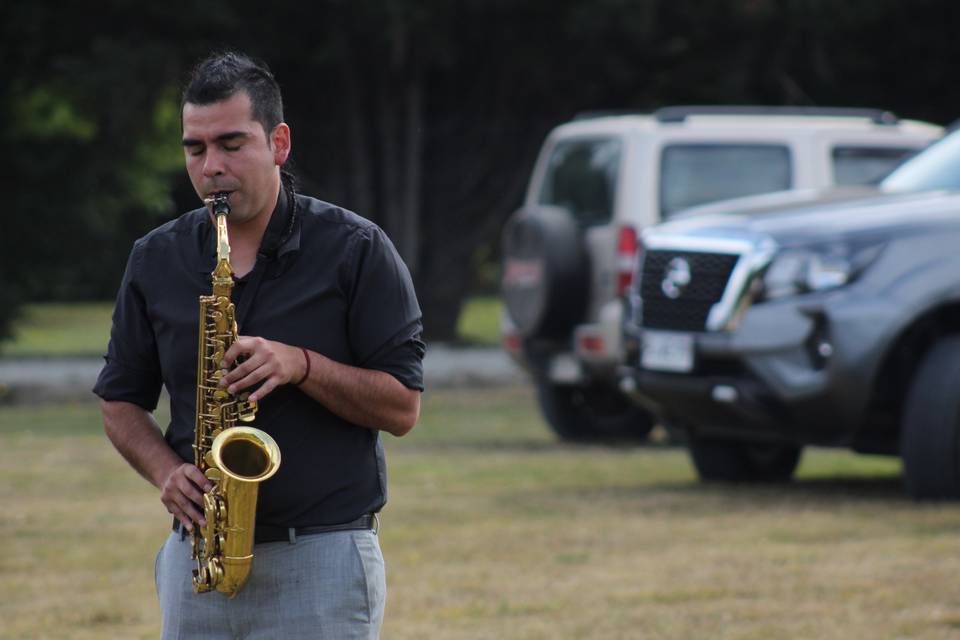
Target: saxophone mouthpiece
x=220 y=203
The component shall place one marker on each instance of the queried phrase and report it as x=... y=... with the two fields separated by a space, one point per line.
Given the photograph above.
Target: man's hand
x=182 y=494
x=365 y=397
x=136 y=435
x=269 y=362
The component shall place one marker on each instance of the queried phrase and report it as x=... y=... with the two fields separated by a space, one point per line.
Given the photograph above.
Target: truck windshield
x=937 y=168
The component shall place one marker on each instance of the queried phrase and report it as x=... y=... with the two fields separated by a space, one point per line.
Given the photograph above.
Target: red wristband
x=306 y=373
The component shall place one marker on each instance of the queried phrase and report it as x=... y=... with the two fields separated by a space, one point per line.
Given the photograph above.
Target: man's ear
x=281 y=143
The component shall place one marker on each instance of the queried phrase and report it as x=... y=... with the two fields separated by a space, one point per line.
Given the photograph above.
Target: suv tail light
x=628 y=251
x=591 y=343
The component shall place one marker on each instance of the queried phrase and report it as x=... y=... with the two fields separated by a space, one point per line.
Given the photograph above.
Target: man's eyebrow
x=223 y=137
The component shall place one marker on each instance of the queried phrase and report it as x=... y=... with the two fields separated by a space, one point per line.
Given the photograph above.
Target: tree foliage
x=423 y=116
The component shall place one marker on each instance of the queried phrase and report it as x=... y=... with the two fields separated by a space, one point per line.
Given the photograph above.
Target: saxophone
x=234 y=458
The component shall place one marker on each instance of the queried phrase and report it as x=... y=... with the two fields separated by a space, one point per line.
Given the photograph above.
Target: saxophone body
x=236 y=459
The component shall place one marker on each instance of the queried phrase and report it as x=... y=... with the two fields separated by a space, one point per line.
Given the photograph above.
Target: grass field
x=55 y=329
x=496 y=531
x=479 y=322
x=82 y=329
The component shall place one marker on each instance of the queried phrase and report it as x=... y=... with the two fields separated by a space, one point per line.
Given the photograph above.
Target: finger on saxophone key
x=194 y=486
x=180 y=493
x=197 y=478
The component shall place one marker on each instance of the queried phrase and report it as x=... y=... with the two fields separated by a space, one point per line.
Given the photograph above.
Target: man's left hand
x=269 y=362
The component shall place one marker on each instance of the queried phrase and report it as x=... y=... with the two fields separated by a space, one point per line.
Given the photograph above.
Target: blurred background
x=423 y=116
x=426 y=117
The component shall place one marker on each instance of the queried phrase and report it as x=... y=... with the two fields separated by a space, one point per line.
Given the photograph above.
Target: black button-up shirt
x=332 y=282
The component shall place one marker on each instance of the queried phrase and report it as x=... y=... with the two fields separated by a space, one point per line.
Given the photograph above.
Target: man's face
x=227 y=150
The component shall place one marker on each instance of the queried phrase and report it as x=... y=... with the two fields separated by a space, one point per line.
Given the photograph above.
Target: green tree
x=424 y=116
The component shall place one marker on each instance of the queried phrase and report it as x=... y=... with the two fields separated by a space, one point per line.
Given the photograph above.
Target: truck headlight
x=803 y=270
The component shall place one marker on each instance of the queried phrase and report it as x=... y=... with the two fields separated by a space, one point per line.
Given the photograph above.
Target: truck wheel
x=930 y=429
x=721 y=460
x=592 y=414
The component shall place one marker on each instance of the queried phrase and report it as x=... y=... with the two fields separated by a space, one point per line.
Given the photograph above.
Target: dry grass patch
x=79 y=530
x=494 y=530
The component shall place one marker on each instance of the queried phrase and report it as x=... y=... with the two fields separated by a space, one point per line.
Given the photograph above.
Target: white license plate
x=667 y=351
x=565 y=369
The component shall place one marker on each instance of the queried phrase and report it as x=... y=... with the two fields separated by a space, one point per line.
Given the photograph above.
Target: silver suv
x=570 y=251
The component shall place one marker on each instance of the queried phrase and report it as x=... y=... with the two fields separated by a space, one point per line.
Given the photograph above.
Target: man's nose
x=213 y=163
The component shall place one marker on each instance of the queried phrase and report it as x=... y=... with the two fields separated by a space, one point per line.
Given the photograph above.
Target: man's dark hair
x=221 y=75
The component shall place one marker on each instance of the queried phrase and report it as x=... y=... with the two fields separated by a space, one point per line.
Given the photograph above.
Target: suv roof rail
x=608 y=113
x=681 y=113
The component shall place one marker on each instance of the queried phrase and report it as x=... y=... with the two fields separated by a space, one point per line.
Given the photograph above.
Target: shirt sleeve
x=132 y=369
x=385 y=323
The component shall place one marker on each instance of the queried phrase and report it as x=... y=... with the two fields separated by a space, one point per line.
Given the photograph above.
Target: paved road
x=37 y=380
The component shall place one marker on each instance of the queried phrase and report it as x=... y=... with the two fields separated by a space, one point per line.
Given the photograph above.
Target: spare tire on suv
x=546 y=277
x=545 y=272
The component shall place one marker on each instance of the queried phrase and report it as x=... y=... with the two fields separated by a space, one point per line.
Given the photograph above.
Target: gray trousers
x=326 y=586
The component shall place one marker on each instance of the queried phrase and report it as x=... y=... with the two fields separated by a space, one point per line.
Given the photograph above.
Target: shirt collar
x=279 y=227
x=281 y=236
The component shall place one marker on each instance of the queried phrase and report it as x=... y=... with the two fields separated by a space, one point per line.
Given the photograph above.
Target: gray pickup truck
x=831 y=319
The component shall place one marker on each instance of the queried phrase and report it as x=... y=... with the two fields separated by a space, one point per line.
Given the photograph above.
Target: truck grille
x=688 y=311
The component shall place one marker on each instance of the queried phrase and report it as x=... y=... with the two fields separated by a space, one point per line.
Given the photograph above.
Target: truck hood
x=812 y=217
x=777 y=201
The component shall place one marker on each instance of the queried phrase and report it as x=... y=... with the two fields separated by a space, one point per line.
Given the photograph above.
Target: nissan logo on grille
x=676 y=277
x=679 y=288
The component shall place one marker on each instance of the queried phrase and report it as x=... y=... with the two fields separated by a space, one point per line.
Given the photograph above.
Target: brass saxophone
x=235 y=459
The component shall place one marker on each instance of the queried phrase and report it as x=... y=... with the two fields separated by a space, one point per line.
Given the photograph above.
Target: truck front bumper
x=799 y=371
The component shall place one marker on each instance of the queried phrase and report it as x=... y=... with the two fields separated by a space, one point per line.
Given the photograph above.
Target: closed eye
x=193 y=148
x=232 y=140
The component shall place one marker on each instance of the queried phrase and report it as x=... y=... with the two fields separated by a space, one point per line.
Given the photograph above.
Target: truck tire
x=545 y=272
x=592 y=413
x=930 y=428
x=722 y=460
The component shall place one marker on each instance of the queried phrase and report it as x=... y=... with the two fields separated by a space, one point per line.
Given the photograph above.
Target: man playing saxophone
x=329 y=348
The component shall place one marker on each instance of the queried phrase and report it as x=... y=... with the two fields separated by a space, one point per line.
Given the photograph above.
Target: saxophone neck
x=222 y=276
x=223 y=239
x=219 y=203
x=223 y=272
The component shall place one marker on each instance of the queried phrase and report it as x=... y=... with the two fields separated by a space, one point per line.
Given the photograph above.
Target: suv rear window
x=865 y=165
x=693 y=174
x=582 y=177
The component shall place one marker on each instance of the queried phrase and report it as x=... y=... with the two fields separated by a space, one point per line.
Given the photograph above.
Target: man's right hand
x=182 y=494
x=137 y=436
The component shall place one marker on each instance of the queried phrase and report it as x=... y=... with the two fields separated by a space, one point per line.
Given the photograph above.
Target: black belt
x=271 y=533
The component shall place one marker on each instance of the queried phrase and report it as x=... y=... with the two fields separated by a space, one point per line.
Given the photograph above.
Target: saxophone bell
x=241 y=458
